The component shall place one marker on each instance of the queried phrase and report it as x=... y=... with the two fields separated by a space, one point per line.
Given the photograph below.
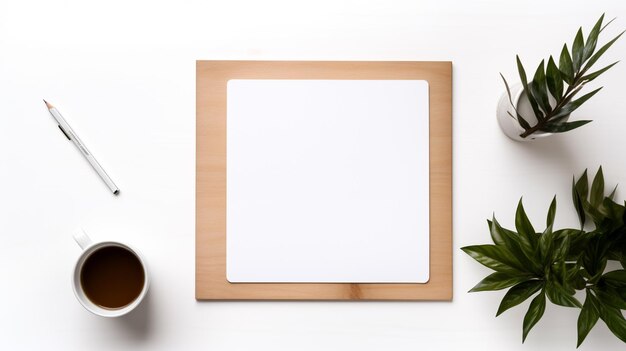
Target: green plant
x=558 y=263
x=562 y=83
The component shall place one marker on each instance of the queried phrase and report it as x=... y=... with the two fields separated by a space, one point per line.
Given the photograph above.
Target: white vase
x=508 y=124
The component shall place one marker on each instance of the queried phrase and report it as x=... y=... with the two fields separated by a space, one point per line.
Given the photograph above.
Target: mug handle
x=82 y=239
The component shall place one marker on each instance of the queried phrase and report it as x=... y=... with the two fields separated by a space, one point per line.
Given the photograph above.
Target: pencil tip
x=47 y=104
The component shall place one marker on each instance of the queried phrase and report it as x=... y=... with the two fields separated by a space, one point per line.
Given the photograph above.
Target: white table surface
x=123 y=74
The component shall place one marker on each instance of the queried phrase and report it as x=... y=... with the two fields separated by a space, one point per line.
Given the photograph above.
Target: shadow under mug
x=89 y=248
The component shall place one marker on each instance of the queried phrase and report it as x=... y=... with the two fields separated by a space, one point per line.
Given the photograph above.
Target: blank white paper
x=327 y=181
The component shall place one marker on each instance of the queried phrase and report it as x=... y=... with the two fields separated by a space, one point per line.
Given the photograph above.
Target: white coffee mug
x=89 y=248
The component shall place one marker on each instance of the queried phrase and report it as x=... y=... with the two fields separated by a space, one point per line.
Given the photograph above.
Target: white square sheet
x=327 y=181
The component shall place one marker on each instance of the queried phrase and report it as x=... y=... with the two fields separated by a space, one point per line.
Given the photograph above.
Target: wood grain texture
x=211 y=79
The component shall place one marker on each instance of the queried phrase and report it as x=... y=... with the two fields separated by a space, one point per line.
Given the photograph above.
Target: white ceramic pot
x=510 y=126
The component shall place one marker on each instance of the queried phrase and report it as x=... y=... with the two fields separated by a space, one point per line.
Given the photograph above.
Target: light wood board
x=211 y=79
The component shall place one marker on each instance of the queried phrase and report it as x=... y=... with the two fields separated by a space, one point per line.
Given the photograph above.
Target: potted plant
x=542 y=106
x=555 y=265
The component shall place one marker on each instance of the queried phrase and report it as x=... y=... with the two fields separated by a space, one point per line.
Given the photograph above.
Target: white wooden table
x=123 y=75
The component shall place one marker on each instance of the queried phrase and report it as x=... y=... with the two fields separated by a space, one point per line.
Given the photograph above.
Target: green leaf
x=560 y=252
x=615 y=278
x=588 y=317
x=494 y=257
x=612 y=214
x=558 y=120
x=597 y=189
x=578 y=242
x=508 y=90
x=554 y=79
x=582 y=185
x=545 y=245
x=591 y=76
x=594 y=259
x=534 y=314
x=551 y=212
x=577 y=49
x=510 y=237
x=562 y=272
x=566 y=66
x=558 y=113
x=612 y=195
x=496 y=236
x=512 y=242
x=610 y=297
x=539 y=89
x=561 y=233
x=531 y=98
x=570 y=107
x=579 y=281
x=600 y=52
x=508 y=93
x=525 y=229
x=564 y=127
x=578 y=204
x=518 y=294
x=592 y=39
x=559 y=296
x=607 y=24
x=614 y=320
x=498 y=281
x=522 y=122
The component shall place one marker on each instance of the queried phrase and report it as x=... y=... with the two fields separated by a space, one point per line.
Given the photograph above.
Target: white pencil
x=69 y=133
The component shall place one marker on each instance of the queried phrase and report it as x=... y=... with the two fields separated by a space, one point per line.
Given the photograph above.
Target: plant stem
x=541 y=123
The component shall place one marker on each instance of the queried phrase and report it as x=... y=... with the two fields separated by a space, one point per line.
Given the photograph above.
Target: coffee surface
x=112 y=277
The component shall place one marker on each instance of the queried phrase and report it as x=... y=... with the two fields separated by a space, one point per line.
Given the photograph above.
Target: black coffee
x=112 y=277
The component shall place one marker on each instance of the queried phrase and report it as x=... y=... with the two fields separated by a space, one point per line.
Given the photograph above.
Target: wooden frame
x=211 y=78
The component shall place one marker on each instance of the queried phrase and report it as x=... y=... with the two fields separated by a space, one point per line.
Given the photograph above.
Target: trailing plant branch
x=549 y=81
x=553 y=265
